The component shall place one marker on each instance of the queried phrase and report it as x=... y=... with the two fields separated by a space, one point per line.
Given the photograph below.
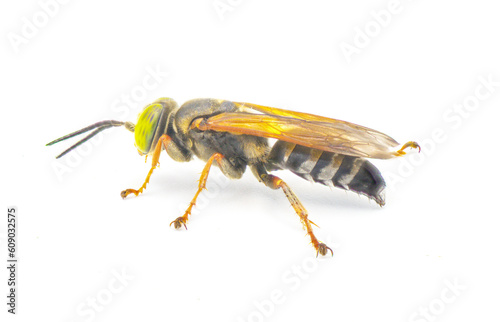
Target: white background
x=244 y=246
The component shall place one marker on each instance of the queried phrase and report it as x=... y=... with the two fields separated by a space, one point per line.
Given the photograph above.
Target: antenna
x=99 y=126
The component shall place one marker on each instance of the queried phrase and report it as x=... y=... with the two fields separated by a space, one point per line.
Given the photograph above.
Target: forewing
x=308 y=130
x=281 y=112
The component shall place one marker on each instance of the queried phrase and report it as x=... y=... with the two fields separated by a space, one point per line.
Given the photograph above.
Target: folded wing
x=304 y=129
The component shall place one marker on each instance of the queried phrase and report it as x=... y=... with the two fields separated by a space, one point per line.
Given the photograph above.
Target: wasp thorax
x=152 y=123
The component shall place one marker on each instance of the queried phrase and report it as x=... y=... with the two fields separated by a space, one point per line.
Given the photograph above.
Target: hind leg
x=275 y=182
x=409 y=144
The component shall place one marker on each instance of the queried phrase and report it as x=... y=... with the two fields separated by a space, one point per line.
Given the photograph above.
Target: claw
x=125 y=193
x=178 y=223
x=410 y=144
x=323 y=249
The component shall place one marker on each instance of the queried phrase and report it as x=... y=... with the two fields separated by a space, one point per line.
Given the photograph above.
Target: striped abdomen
x=331 y=169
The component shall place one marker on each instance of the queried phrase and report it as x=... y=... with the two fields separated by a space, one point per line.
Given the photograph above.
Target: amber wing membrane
x=304 y=129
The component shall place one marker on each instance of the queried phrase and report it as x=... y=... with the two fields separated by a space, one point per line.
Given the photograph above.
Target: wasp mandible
x=236 y=135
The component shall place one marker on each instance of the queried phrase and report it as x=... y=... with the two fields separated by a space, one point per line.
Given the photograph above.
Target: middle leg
x=202 y=184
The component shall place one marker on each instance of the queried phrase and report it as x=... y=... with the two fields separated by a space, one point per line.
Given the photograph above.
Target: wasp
x=234 y=136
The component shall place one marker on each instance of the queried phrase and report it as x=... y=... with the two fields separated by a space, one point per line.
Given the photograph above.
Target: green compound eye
x=146 y=127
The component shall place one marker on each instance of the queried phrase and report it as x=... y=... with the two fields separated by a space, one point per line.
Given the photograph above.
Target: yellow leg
x=202 y=184
x=410 y=144
x=275 y=183
x=164 y=139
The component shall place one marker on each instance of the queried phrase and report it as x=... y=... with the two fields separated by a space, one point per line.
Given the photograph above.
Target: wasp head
x=153 y=123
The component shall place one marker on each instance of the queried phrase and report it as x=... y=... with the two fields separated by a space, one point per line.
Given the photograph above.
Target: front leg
x=164 y=140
